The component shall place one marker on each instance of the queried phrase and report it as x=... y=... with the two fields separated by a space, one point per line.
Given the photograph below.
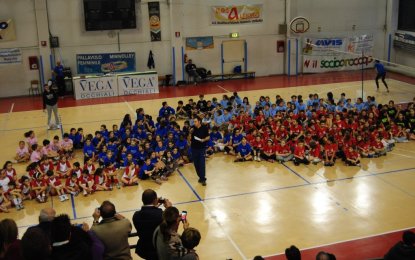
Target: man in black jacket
x=50 y=102
x=146 y=221
x=403 y=250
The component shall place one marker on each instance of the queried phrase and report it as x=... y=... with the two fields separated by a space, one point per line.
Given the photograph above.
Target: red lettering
x=233 y=14
x=307 y=63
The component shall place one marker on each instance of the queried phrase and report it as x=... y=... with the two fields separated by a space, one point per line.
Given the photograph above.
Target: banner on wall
x=199 y=43
x=154 y=16
x=7 y=32
x=95 y=87
x=10 y=56
x=236 y=14
x=136 y=84
x=337 y=53
x=102 y=63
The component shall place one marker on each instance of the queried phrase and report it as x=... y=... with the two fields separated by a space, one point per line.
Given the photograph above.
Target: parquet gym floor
x=252 y=208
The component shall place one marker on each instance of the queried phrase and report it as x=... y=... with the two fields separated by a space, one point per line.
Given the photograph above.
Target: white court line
x=403 y=155
x=347 y=240
x=224 y=232
x=129 y=107
x=219 y=86
x=405 y=150
x=11 y=108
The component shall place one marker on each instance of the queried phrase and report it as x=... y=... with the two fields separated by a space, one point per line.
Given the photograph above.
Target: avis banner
x=236 y=14
x=337 y=53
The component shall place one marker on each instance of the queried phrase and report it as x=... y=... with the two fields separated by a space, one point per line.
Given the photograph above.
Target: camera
x=184 y=215
x=162 y=200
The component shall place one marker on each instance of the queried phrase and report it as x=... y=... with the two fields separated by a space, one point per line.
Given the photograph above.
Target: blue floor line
x=291 y=170
x=241 y=194
x=73 y=207
x=190 y=186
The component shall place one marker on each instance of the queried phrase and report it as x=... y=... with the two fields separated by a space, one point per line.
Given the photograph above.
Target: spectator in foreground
x=190 y=239
x=292 y=253
x=35 y=245
x=9 y=244
x=325 y=256
x=166 y=239
x=146 y=221
x=403 y=250
x=113 y=231
x=66 y=245
x=45 y=220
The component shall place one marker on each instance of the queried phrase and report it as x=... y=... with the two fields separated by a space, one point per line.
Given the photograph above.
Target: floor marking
x=73 y=207
x=405 y=150
x=403 y=155
x=213 y=217
x=291 y=170
x=347 y=240
x=11 y=108
x=7 y=117
x=219 y=86
x=129 y=107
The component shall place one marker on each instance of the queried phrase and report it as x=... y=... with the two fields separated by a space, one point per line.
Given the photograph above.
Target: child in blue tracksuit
x=244 y=151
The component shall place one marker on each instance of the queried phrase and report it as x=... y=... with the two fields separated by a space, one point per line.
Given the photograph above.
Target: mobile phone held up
x=184 y=215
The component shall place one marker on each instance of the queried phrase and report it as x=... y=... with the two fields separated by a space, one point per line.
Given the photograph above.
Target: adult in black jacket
x=146 y=221
x=403 y=250
x=50 y=102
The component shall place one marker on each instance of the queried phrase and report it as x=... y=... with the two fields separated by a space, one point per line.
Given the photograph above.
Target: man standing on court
x=381 y=73
x=59 y=78
x=200 y=135
x=50 y=102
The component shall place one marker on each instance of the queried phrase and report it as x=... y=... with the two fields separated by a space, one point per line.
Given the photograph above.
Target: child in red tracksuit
x=352 y=157
x=299 y=154
x=101 y=182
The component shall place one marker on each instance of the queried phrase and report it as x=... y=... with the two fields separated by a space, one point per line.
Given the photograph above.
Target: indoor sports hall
x=138 y=58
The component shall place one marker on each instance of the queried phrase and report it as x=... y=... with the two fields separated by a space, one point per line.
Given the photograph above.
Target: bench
x=226 y=76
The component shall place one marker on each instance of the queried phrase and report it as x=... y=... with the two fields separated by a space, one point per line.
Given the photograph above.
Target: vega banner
x=7 y=32
x=10 y=56
x=337 y=53
x=103 y=63
x=236 y=14
x=154 y=16
x=137 y=83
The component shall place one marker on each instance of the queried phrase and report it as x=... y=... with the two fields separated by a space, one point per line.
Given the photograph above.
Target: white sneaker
x=58 y=126
x=255 y=158
x=73 y=193
x=65 y=196
x=85 y=193
x=18 y=207
x=61 y=198
x=259 y=159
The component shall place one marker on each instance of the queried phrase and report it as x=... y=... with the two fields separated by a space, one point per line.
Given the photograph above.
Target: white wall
x=261 y=37
x=191 y=18
x=15 y=78
x=336 y=18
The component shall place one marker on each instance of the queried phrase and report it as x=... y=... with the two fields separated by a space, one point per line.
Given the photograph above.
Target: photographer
x=146 y=221
x=113 y=231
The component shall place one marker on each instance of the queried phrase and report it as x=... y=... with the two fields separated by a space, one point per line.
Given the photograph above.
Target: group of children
x=319 y=130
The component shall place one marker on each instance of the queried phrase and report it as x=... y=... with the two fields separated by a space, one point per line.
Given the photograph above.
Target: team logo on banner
x=7 y=32
x=334 y=54
x=154 y=16
x=240 y=14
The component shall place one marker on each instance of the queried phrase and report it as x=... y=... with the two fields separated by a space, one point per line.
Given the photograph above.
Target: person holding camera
x=146 y=221
x=166 y=239
x=113 y=231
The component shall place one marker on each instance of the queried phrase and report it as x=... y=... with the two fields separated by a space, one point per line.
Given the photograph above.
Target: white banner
x=95 y=87
x=10 y=56
x=137 y=84
x=334 y=54
x=237 y=14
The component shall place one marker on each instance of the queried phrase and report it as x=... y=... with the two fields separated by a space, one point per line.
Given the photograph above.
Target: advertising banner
x=154 y=16
x=337 y=53
x=237 y=14
x=95 y=87
x=102 y=63
x=7 y=32
x=199 y=43
x=133 y=84
x=10 y=56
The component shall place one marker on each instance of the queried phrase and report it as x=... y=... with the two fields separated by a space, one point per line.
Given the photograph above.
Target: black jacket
x=50 y=98
x=145 y=222
x=401 y=251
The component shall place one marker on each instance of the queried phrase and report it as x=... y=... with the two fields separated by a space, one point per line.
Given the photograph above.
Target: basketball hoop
x=299 y=25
